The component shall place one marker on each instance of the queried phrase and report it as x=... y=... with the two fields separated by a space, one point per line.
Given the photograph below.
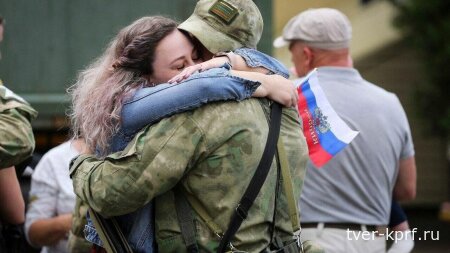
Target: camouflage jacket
x=16 y=135
x=77 y=242
x=212 y=153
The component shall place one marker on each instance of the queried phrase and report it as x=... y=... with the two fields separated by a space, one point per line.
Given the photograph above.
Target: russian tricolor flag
x=326 y=133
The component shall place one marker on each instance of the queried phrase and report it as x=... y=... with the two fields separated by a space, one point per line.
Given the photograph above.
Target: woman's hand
x=275 y=87
x=278 y=89
x=187 y=72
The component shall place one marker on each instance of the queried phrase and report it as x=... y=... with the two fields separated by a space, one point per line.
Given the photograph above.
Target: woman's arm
x=274 y=87
x=256 y=59
x=243 y=59
x=150 y=105
x=12 y=206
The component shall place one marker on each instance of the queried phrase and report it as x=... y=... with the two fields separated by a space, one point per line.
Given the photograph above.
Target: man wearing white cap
x=351 y=195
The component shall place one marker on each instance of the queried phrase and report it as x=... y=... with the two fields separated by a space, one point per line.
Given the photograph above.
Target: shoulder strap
x=110 y=233
x=257 y=180
x=287 y=185
x=198 y=208
x=186 y=221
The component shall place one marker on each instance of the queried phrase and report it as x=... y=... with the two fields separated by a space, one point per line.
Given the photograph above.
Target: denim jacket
x=149 y=105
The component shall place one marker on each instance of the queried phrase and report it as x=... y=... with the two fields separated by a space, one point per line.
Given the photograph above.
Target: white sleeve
x=43 y=194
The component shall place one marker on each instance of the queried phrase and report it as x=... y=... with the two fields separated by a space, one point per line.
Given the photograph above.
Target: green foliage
x=426 y=25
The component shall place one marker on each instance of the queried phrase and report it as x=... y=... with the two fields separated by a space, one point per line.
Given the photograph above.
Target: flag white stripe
x=339 y=128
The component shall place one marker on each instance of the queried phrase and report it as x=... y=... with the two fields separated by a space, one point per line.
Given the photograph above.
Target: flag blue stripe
x=328 y=140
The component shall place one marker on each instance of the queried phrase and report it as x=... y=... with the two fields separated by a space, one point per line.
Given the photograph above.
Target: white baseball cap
x=323 y=28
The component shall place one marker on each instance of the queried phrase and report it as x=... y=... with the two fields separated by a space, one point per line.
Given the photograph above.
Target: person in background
x=52 y=200
x=16 y=145
x=16 y=136
x=353 y=192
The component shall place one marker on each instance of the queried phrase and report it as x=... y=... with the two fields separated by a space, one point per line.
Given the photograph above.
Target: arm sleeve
x=255 y=59
x=152 y=163
x=16 y=135
x=150 y=105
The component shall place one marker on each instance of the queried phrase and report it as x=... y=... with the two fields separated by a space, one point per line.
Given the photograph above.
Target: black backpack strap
x=257 y=181
x=110 y=233
x=186 y=220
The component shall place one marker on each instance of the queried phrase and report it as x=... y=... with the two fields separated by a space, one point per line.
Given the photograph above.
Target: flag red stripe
x=317 y=154
x=320 y=157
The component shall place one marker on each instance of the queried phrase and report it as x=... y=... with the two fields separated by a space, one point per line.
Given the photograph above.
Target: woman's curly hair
x=100 y=89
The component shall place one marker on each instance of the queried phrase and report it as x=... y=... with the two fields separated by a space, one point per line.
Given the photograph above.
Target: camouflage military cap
x=225 y=25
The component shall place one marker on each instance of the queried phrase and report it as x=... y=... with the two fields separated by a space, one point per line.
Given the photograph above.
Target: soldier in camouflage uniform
x=16 y=144
x=77 y=243
x=16 y=135
x=210 y=153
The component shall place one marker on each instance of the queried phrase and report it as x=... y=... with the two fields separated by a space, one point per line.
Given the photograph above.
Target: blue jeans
x=149 y=105
x=137 y=227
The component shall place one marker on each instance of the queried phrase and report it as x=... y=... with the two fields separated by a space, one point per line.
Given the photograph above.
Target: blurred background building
x=48 y=41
